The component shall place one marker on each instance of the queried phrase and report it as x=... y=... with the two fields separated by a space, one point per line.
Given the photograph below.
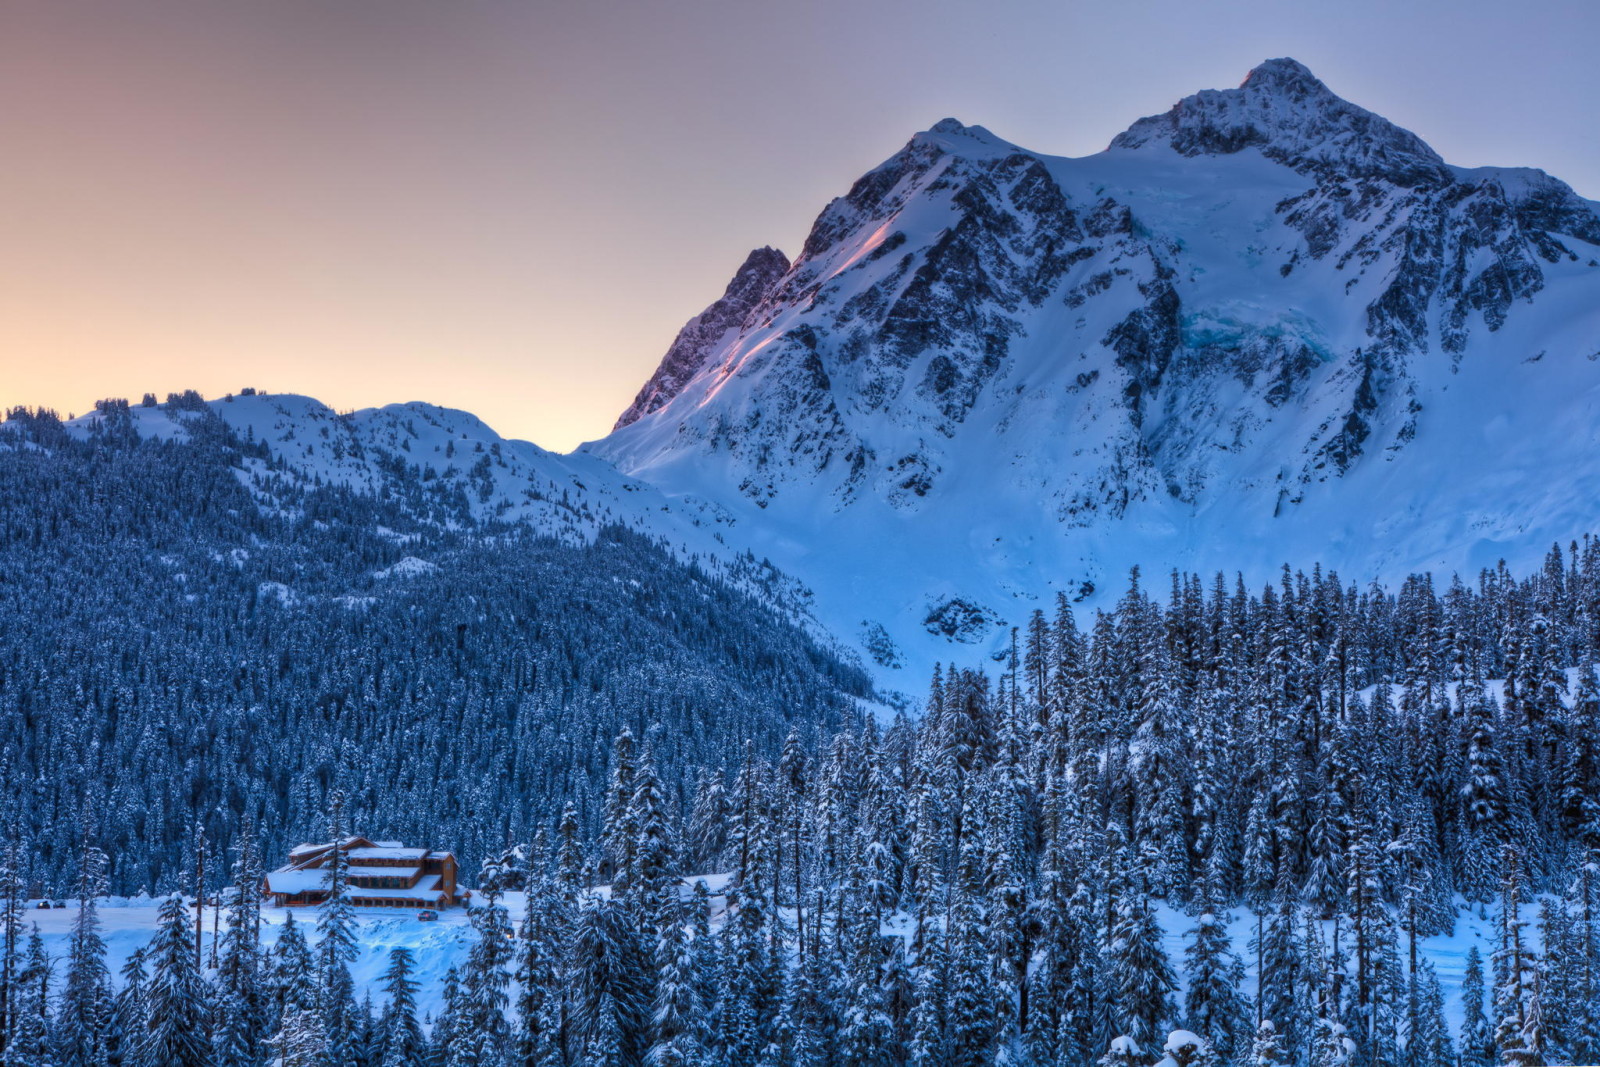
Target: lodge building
x=378 y=874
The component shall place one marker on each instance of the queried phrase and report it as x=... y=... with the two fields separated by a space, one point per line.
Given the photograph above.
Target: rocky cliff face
x=958 y=275
x=1243 y=304
x=703 y=335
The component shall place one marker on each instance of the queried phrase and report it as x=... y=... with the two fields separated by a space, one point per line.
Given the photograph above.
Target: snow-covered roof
x=386 y=852
x=293 y=883
x=350 y=843
x=357 y=873
x=427 y=891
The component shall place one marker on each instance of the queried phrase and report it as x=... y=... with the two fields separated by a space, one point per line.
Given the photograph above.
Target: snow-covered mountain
x=1267 y=325
x=447 y=468
x=453 y=453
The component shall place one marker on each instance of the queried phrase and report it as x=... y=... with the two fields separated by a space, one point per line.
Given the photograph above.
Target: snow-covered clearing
x=129 y=924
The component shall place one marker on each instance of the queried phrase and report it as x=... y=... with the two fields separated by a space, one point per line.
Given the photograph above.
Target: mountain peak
x=1287 y=113
x=1283 y=75
x=763 y=262
x=702 y=334
x=953 y=135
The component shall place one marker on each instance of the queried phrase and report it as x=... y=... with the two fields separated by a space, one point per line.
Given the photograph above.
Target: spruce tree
x=83 y=1020
x=653 y=855
x=1281 y=976
x=448 y=1026
x=337 y=944
x=1570 y=933
x=11 y=931
x=129 y=1028
x=865 y=1036
x=537 y=970
x=1477 y=1035
x=399 y=1035
x=178 y=1010
x=484 y=1038
x=293 y=977
x=676 y=1019
x=1518 y=1035
x=242 y=997
x=31 y=1044
x=1268 y=1048
x=928 y=1046
x=1330 y=1046
x=621 y=834
x=1215 y=1009
x=302 y=1041
x=612 y=987
x=1140 y=976
x=1428 y=1041
x=1484 y=795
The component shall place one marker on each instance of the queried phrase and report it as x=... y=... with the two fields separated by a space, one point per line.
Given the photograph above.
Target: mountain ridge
x=1219 y=324
x=992 y=375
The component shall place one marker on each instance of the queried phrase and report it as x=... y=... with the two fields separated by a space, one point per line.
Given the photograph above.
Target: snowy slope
x=1266 y=326
x=448 y=469
x=451 y=451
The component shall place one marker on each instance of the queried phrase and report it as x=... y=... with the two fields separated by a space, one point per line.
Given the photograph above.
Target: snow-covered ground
x=129 y=924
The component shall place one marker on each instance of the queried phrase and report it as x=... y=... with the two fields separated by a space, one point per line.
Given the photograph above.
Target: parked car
x=427 y=915
x=59 y=904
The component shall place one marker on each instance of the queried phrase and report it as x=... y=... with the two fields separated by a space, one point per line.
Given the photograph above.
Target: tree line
x=983 y=884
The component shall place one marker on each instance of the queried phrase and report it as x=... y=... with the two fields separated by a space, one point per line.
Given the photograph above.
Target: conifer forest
x=693 y=840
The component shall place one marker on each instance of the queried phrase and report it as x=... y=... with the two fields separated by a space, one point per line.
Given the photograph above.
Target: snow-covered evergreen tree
x=179 y=1012
x=30 y=1043
x=1569 y=930
x=1519 y=1031
x=483 y=1038
x=83 y=1020
x=400 y=1037
x=1214 y=1007
x=1477 y=1035
x=1267 y=1049
x=11 y=931
x=612 y=987
x=241 y=993
x=1139 y=975
x=676 y=1019
x=128 y=1031
x=302 y=1041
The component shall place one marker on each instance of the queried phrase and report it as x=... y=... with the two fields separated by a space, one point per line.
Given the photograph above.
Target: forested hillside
x=1354 y=767
x=997 y=881
x=174 y=656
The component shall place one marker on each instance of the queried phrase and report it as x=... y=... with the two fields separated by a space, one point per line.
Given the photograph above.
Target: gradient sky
x=511 y=207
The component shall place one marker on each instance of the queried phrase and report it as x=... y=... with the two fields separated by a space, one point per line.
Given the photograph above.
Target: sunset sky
x=510 y=207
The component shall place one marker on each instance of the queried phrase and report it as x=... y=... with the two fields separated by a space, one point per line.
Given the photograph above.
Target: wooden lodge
x=378 y=874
